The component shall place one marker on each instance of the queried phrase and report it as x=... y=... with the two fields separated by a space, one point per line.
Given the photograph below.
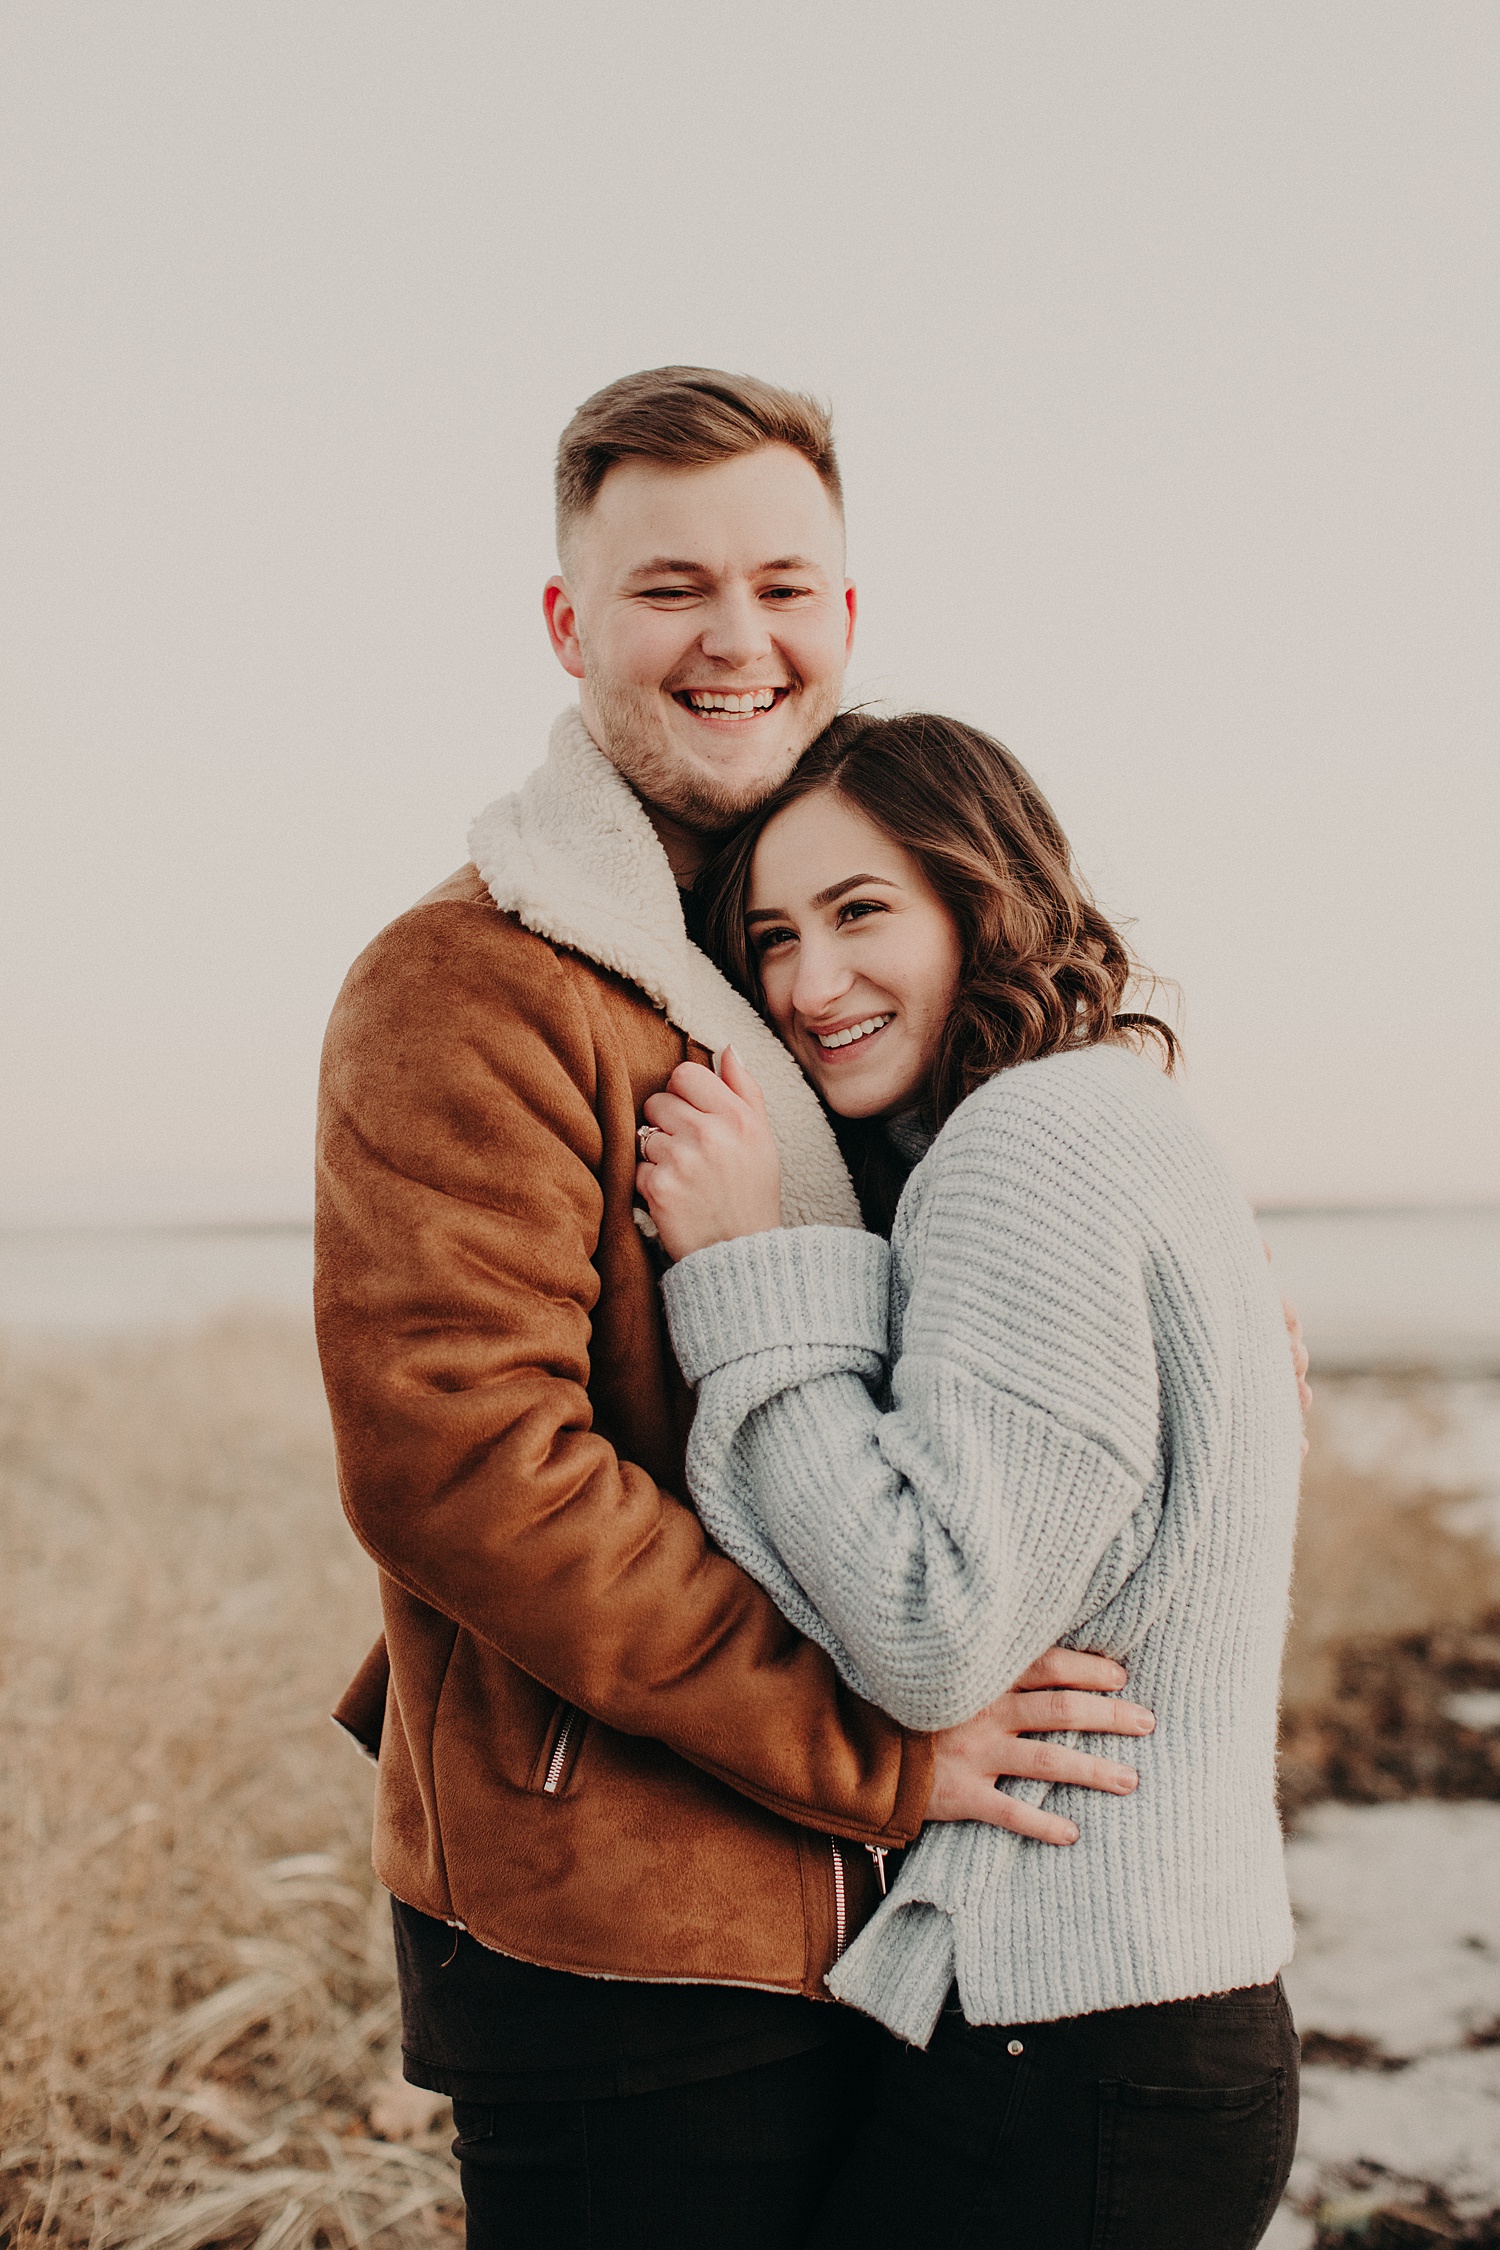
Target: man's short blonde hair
x=690 y=417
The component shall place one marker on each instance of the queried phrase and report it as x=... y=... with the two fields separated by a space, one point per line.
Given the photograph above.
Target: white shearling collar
x=573 y=856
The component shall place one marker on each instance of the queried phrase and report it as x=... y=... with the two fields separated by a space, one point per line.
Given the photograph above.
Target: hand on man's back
x=1065 y=1691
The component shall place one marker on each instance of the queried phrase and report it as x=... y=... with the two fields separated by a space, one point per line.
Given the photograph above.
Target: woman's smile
x=843 y=1037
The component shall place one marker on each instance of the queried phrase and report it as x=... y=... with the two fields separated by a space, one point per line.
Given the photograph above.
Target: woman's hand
x=1300 y=1360
x=709 y=1167
x=1052 y=1696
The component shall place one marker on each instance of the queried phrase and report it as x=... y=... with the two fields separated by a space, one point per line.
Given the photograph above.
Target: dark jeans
x=735 y=2163
x=1166 y=2128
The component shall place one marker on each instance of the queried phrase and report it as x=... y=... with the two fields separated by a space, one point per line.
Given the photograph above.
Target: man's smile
x=736 y=704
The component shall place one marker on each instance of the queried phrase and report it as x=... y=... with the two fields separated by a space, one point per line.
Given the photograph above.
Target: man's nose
x=736 y=631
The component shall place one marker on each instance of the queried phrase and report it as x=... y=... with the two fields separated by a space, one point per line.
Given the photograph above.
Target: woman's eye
x=857 y=909
x=765 y=939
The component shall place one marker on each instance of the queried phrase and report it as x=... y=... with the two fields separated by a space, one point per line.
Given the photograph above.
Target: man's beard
x=634 y=739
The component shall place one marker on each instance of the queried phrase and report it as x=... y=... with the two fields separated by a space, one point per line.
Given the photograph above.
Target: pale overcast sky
x=1162 y=344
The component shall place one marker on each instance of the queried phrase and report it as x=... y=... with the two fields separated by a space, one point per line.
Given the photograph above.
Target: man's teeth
x=855 y=1031
x=754 y=699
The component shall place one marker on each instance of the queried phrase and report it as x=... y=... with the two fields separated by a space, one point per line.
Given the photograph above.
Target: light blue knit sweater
x=1059 y=1405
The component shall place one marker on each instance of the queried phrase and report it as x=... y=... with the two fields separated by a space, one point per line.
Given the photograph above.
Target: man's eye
x=783 y=593
x=667 y=594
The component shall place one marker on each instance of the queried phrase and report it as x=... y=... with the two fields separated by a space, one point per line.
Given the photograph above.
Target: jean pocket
x=1184 y=2166
x=473 y=2122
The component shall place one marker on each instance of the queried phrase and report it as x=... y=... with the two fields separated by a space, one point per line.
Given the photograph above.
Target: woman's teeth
x=754 y=699
x=855 y=1031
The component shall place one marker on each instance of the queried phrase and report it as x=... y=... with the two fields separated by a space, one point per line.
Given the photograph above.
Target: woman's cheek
x=776 y=985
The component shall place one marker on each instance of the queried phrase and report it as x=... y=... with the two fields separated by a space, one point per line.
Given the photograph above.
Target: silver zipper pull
x=877 y=1852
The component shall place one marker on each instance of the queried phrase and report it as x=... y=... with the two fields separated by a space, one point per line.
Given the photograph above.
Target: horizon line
x=1281 y=1208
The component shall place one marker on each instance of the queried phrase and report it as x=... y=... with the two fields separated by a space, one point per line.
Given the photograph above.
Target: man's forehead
x=766 y=509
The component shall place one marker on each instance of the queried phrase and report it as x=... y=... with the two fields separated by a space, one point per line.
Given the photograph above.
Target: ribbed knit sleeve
x=936 y=1540
x=804 y=1285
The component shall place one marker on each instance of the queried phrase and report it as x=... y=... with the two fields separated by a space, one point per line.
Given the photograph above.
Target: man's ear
x=851 y=605
x=562 y=626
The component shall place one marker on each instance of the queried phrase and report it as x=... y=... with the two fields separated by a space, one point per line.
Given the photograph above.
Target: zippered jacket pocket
x=558 y=1755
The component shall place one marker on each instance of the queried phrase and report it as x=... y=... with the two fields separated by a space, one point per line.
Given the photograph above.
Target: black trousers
x=736 y=2163
x=1166 y=2128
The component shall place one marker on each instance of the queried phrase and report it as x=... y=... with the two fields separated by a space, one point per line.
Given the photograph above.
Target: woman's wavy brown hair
x=1043 y=969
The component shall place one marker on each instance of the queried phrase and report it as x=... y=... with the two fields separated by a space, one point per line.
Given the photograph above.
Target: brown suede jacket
x=601 y=1747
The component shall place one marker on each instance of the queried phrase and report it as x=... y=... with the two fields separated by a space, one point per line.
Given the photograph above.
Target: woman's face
x=859 y=957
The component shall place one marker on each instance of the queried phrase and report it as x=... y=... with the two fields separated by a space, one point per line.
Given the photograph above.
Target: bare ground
x=1396 y=1603
x=199 y=2025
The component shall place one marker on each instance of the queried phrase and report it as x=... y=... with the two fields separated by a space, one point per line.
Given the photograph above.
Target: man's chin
x=700 y=775
x=715 y=795
x=713 y=815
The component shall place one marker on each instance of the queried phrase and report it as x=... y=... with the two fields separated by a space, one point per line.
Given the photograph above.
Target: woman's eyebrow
x=824 y=898
x=850 y=882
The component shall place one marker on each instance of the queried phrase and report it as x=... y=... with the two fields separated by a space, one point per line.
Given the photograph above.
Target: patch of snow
x=1474 y=1707
x=1398 y=1912
x=1437 y=2122
x=1438 y=1435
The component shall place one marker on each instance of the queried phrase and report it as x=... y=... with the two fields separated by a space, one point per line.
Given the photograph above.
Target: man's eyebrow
x=824 y=898
x=671 y=566
x=667 y=566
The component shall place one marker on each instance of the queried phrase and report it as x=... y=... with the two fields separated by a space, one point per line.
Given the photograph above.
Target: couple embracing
x=792 y=1357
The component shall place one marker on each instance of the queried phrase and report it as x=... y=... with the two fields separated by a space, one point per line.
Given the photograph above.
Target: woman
x=1056 y=1405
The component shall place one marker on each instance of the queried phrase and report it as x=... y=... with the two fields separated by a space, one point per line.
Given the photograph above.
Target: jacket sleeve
x=938 y=1544
x=459 y=1212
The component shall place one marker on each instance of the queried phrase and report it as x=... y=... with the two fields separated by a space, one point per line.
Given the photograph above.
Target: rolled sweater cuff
x=797 y=1285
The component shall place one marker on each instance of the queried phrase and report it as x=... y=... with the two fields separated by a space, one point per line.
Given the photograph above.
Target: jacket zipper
x=840 y=1902
x=559 y=1753
x=877 y=1852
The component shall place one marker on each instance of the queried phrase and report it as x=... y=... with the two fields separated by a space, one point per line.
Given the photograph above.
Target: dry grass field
x=197 y=2004
x=199 y=2041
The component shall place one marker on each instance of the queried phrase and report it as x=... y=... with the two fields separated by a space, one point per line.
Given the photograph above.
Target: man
x=628 y=1817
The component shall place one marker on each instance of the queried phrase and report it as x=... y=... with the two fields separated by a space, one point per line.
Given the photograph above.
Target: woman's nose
x=821 y=980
